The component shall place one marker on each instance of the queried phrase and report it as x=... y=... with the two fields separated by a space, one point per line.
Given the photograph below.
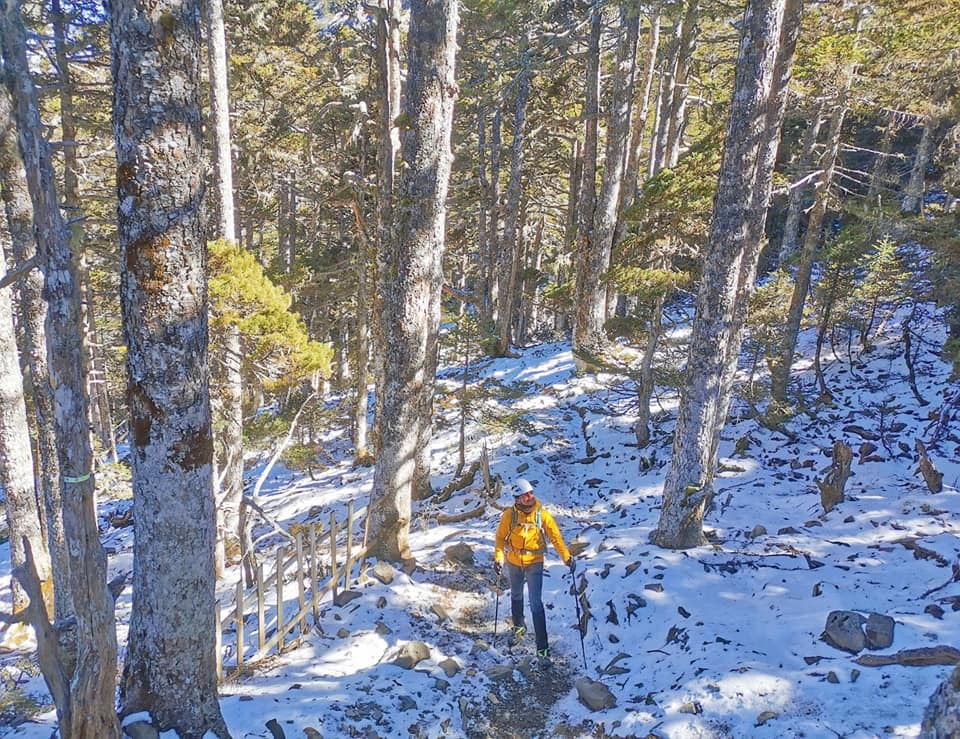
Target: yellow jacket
x=524 y=543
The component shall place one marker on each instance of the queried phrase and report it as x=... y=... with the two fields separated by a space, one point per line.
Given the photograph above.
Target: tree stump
x=931 y=475
x=833 y=483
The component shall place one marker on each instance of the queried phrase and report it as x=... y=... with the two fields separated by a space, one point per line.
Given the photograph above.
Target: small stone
x=832 y=677
x=766 y=716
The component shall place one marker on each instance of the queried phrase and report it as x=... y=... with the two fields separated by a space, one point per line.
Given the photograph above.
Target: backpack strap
x=538 y=520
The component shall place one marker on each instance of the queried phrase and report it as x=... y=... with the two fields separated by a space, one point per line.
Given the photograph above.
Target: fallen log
x=919 y=657
x=456 y=517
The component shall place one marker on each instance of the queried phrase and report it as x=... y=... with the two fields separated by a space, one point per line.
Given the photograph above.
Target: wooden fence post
x=301 y=592
x=314 y=579
x=219 y=646
x=280 y=598
x=261 y=608
x=239 y=624
x=349 y=567
x=333 y=552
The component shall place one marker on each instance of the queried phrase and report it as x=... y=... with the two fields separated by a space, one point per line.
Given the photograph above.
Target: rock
x=654 y=586
x=499 y=673
x=879 y=631
x=934 y=610
x=594 y=695
x=343 y=633
x=141 y=730
x=766 y=716
x=276 y=730
x=942 y=716
x=382 y=629
x=449 y=666
x=345 y=596
x=407 y=703
x=384 y=572
x=461 y=553
x=440 y=612
x=844 y=630
x=832 y=677
x=411 y=654
x=310 y=733
x=756 y=531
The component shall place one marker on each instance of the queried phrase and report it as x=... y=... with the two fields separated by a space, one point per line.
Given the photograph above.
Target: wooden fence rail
x=304 y=564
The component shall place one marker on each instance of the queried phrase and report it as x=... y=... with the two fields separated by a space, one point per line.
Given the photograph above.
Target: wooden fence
x=261 y=612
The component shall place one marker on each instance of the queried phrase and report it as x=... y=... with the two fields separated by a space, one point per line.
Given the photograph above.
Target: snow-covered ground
x=719 y=641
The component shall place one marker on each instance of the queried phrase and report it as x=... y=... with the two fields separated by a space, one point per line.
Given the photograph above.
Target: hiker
x=522 y=541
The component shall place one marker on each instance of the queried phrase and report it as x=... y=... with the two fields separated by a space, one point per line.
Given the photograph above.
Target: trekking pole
x=496 y=610
x=580 y=626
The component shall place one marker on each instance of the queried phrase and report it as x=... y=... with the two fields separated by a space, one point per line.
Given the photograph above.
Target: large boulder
x=941 y=720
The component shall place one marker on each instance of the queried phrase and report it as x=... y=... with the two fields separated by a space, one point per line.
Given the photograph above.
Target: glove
x=572 y=564
x=498 y=568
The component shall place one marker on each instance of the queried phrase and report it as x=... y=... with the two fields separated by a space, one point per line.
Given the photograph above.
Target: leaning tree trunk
x=589 y=336
x=677 y=119
x=19 y=216
x=170 y=670
x=780 y=371
x=743 y=189
x=507 y=256
x=16 y=461
x=91 y=709
x=412 y=276
x=638 y=127
x=791 y=222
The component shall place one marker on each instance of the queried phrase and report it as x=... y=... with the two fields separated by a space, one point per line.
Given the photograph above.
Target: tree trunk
x=91 y=711
x=495 y=210
x=631 y=174
x=170 y=670
x=33 y=311
x=762 y=76
x=388 y=67
x=587 y=198
x=677 y=119
x=16 y=460
x=361 y=454
x=95 y=369
x=507 y=257
x=791 y=224
x=913 y=195
x=780 y=371
x=412 y=276
x=589 y=336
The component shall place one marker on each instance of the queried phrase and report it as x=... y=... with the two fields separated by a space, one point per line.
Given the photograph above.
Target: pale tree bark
x=95 y=368
x=671 y=98
x=16 y=460
x=762 y=76
x=638 y=126
x=492 y=205
x=228 y=403
x=361 y=451
x=388 y=148
x=587 y=197
x=170 y=669
x=913 y=194
x=411 y=276
x=812 y=239
x=791 y=222
x=677 y=119
x=589 y=335
x=508 y=259
x=33 y=312
x=91 y=707
x=782 y=363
